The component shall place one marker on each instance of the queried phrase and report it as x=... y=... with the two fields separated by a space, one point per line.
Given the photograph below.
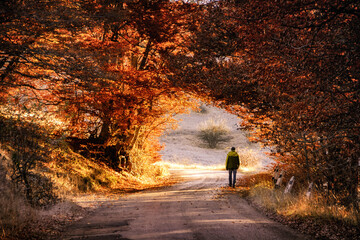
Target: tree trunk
x=354 y=181
x=105 y=131
x=145 y=55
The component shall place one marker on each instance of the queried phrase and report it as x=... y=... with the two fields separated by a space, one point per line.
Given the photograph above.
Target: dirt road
x=191 y=209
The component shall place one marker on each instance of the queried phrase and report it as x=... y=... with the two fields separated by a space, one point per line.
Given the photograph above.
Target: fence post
x=308 y=192
x=279 y=180
x=276 y=174
x=289 y=185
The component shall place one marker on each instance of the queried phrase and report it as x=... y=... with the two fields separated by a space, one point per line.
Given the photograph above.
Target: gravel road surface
x=196 y=208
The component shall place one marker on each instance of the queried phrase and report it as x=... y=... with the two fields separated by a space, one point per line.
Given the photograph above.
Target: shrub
x=203 y=109
x=255 y=179
x=248 y=158
x=142 y=167
x=26 y=144
x=213 y=132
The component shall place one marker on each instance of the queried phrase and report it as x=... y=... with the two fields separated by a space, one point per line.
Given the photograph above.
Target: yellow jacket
x=232 y=160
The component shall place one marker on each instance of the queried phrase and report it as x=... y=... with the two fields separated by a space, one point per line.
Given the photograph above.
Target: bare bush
x=248 y=158
x=141 y=167
x=26 y=144
x=203 y=109
x=213 y=132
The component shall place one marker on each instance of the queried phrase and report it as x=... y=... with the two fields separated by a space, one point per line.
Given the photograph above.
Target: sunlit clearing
x=171 y=165
x=192 y=166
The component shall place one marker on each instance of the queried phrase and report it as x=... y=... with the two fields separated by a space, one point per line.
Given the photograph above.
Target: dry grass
x=144 y=170
x=249 y=160
x=250 y=180
x=73 y=176
x=316 y=207
x=262 y=192
x=15 y=213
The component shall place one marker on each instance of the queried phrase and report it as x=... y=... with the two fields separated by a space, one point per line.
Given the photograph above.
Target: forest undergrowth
x=310 y=214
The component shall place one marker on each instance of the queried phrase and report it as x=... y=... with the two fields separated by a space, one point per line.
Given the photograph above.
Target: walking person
x=232 y=165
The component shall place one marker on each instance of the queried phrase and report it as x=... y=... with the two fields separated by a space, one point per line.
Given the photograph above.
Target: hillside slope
x=184 y=148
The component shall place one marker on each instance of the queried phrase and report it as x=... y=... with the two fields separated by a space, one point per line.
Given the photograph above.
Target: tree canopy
x=290 y=69
x=110 y=74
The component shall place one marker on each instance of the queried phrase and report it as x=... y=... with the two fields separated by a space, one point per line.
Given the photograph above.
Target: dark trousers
x=232 y=177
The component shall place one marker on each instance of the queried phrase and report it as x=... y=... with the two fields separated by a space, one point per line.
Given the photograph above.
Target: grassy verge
x=308 y=215
x=73 y=174
x=15 y=214
x=73 y=177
